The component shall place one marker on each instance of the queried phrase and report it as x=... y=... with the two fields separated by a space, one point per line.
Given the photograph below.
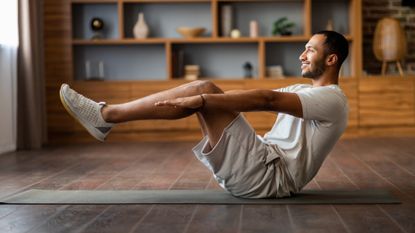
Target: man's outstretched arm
x=243 y=101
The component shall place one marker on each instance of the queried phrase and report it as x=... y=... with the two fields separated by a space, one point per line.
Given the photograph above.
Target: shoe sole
x=93 y=132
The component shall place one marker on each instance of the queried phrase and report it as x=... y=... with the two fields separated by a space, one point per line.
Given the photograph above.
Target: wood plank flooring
x=364 y=163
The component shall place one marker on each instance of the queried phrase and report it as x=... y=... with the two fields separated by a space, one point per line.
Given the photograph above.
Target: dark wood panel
x=216 y=218
x=306 y=218
x=166 y=218
x=266 y=219
x=363 y=176
x=117 y=218
x=79 y=215
x=26 y=218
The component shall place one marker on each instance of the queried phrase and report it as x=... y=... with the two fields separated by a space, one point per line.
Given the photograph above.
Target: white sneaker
x=85 y=111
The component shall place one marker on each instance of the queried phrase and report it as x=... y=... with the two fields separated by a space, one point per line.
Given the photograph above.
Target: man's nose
x=302 y=56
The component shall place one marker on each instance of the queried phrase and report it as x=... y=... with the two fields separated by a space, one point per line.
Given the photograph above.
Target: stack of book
x=275 y=71
x=191 y=72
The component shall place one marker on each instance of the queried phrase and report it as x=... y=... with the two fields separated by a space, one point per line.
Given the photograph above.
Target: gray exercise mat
x=35 y=196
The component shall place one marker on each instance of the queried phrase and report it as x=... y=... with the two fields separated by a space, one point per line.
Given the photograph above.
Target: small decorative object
x=282 y=27
x=94 y=70
x=140 y=29
x=329 y=25
x=191 y=72
x=190 y=32
x=227 y=20
x=248 y=70
x=97 y=26
x=275 y=71
x=253 y=29
x=389 y=43
x=410 y=68
x=235 y=33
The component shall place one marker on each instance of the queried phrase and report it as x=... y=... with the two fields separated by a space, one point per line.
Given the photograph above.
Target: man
x=311 y=119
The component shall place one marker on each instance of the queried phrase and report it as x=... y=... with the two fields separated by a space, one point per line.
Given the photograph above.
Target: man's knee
x=205 y=87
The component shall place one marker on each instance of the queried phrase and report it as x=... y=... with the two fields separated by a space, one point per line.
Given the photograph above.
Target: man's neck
x=326 y=79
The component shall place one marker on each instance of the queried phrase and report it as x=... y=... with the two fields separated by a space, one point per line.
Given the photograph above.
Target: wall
x=373 y=10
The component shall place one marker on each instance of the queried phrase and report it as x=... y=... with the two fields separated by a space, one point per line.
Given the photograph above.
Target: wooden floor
x=380 y=163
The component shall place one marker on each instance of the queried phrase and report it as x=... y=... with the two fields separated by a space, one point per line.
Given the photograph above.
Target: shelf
x=135 y=62
x=163 y=19
x=93 y=1
x=390 y=76
x=118 y=41
x=220 y=60
x=236 y=1
x=83 y=13
x=337 y=12
x=205 y=40
x=285 y=39
x=166 y=1
x=265 y=13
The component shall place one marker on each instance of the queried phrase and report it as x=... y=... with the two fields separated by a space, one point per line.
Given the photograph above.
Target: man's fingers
x=162 y=103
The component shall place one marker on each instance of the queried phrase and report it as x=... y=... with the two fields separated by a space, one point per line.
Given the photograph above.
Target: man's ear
x=332 y=59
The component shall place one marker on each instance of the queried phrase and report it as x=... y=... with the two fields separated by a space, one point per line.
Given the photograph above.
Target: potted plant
x=282 y=27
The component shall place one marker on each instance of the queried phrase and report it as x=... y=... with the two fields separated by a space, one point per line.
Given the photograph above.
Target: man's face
x=313 y=58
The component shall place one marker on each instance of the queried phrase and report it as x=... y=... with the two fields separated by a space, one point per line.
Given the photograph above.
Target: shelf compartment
x=335 y=10
x=129 y=62
x=265 y=13
x=223 y=61
x=82 y=13
x=285 y=55
x=163 y=19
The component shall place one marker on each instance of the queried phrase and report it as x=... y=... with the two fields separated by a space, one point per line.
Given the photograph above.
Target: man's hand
x=191 y=102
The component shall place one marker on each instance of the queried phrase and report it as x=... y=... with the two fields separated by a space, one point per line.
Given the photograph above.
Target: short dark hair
x=335 y=43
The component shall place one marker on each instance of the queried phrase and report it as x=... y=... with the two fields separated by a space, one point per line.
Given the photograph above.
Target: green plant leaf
x=281 y=26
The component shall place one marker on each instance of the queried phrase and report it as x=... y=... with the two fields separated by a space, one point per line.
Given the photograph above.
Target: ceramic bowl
x=190 y=32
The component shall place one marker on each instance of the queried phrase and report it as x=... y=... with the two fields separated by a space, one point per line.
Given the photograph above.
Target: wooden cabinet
x=124 y=57
x=387 y=101
x=137 y=67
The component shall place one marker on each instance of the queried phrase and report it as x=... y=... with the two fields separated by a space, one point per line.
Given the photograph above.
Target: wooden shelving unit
x=138 y=67
x=122 y=37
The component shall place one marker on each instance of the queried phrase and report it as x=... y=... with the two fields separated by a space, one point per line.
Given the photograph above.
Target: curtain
x=31 y=113
x=8 y=75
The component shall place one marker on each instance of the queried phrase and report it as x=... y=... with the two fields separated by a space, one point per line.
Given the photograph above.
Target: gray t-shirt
x=305 y=142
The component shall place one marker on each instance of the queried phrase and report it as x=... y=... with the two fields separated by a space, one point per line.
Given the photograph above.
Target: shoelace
x=85 y=107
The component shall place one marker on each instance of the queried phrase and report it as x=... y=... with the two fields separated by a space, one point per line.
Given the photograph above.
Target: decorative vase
x=329 y=25
x=227 y=20
x=140 y=29
x=253 y=29
x=389 y=43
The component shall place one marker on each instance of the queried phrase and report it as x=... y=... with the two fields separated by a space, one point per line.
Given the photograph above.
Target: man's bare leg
x=212 y=121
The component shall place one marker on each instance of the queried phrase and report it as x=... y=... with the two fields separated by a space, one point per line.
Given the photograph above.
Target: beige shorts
x=244 y=165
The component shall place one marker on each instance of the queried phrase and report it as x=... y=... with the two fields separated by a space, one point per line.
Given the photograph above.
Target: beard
x=316 y=71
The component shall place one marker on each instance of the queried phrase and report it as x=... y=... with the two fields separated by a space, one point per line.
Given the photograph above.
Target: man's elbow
x=269 y=101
